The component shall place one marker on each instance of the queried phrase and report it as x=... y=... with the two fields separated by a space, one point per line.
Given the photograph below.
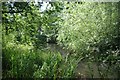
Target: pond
x=86 y=69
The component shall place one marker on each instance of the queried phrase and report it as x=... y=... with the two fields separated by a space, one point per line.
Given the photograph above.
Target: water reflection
x=85 y=68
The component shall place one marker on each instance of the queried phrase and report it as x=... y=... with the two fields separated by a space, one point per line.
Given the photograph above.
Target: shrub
x=87 y=26
x=25 y=62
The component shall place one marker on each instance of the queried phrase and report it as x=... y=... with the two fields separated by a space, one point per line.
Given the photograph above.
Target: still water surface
x=85 y=69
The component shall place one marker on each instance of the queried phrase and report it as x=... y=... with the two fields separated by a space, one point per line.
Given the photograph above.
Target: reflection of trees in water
x=94 y=70
x=88 y=69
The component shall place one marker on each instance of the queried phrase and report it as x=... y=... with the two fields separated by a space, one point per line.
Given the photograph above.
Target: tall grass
x=22 y=61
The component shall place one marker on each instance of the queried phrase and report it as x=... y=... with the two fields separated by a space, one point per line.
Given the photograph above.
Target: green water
x=85 y=69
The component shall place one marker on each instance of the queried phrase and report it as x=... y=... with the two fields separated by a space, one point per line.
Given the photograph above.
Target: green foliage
x=52 y=68
x=28 y=24
x=88 y=31
x=91 y=30
x=23 y=62
x=88 y=25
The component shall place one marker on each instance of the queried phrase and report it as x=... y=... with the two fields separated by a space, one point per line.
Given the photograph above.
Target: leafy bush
x=91 y=30
x=87 y=26
x=21 y=61
x=56 y=67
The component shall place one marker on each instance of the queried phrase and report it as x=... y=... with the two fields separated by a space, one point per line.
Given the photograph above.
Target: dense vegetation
x=88 y=32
